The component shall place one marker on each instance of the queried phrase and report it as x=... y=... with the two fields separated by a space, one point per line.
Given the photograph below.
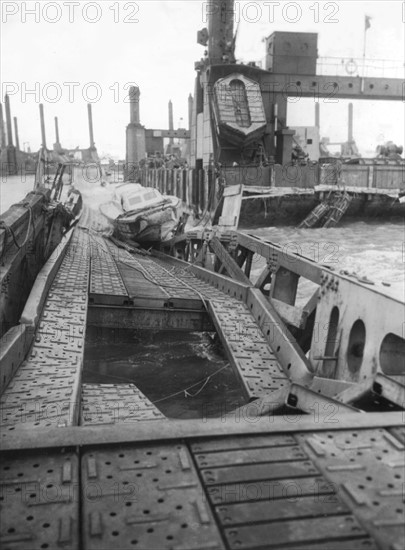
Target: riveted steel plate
x=116 y=403
x=243 y=472
x=282 y=509
x=345 y=544
x=39 y=502
x=248 y=350
x=242 y=442
x=149 y=497
x=280 y=533
x=268 y=493
x=250 y=456
x=368 y=466
x=272 y=490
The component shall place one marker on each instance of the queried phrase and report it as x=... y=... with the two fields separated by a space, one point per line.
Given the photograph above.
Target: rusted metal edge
x=144 y=432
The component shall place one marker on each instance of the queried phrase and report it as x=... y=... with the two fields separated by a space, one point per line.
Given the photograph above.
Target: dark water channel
x=163 y=365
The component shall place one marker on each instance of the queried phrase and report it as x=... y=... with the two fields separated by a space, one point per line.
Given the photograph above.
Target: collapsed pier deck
x=99 y=466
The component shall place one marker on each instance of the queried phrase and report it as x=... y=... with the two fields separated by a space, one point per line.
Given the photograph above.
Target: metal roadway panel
x=115 y=403
x=269 y=494
x=145 y=278
x=148 y=497
x=250 y=354
x=106 y=284
x=45 y=389
x=40 y=498
x=367 y=467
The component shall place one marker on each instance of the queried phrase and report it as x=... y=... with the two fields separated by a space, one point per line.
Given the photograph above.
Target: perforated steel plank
x=248 y=350
x=270 y=471
x=282 y=509
x=280 y=534
x=45 y=389
x=271 y=490
x=274 y=503
x=368 y=466
x=251 y=456
x=106 y=284
x=116 y=403
x=150 y=497
x=39 y=502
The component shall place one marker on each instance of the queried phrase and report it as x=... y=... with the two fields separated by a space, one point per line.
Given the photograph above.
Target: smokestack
x=3 y=143
x=171 y=127
x=317 y=115
x=17 y=141
x=56 y=130
x=134 y=95
x=8 y=121
x=90 y=115
x=42 y=117
x=190 y=110
x=350 y=123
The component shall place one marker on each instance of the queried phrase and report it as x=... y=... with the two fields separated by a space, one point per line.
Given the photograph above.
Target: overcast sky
x=153 y=44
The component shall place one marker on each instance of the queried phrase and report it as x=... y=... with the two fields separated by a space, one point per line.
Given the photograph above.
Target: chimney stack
x=17 y=141
x=90 y=115
x=171 y=127
x=350 y=123
x=57 y=145
x=42 y=117
x=8 y=122
x=56 y=130
x=3 y=142
x=190 y=111
x=134 y=95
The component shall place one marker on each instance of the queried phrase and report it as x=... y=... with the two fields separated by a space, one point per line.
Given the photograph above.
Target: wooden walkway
x=99 y=466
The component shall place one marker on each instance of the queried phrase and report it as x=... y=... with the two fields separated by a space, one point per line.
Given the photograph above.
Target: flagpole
x=364 y=51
